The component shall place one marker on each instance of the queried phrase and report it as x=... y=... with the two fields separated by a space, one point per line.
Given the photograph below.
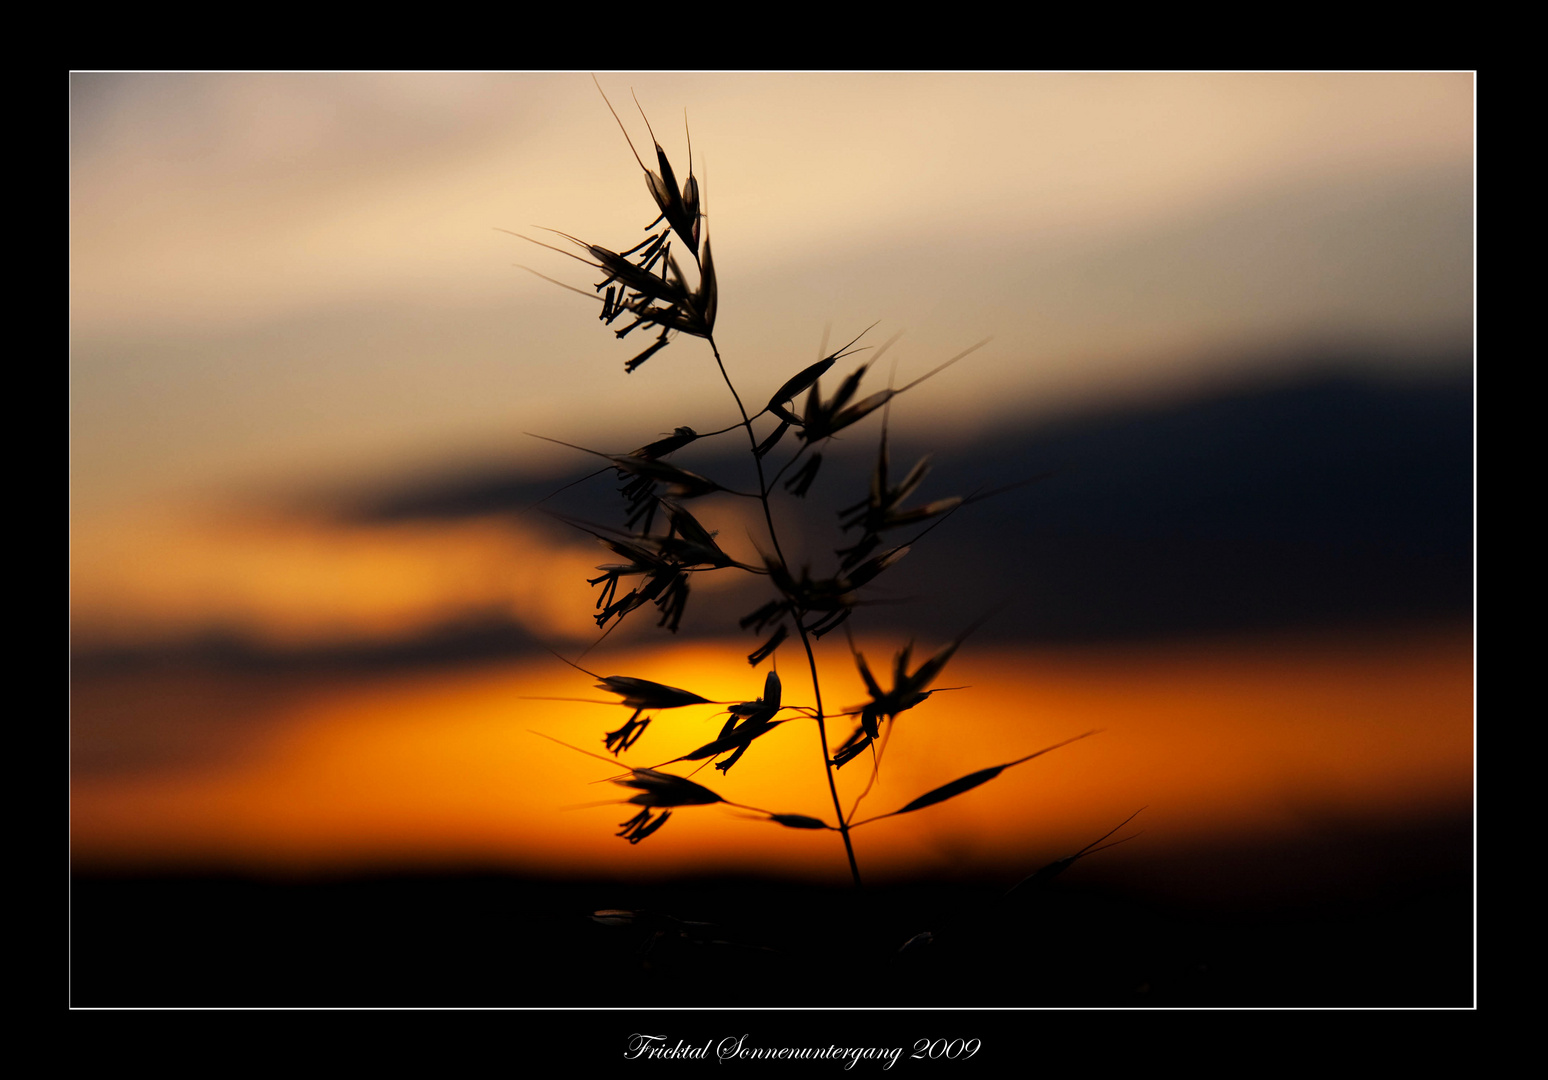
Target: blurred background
x=311 y=592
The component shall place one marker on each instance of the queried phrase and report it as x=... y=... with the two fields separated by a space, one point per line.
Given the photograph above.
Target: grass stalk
x=806 y=642
x=663 y=546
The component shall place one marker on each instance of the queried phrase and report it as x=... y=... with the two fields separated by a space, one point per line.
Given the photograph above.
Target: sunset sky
x=290 y=296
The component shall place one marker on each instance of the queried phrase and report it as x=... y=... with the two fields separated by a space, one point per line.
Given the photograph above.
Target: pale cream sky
x=292 y=278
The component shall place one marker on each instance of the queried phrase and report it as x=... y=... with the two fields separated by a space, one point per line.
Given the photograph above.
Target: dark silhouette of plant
x=662 y=545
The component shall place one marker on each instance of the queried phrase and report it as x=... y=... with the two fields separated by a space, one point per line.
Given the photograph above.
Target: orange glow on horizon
x=291 y=581
x=441 y=768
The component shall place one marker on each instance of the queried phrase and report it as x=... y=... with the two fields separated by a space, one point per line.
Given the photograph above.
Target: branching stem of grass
x=806 y=642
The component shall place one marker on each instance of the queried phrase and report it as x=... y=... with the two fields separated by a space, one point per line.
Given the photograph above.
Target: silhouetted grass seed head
x=658 y=789
x=662 y=545
x=644 y=694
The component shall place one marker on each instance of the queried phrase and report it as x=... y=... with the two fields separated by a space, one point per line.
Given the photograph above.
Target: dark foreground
x=488 y=940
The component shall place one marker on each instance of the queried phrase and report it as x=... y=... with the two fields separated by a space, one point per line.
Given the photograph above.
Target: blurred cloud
x=1321 y=501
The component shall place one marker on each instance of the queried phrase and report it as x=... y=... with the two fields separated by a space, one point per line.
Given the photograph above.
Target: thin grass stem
x=806 y=642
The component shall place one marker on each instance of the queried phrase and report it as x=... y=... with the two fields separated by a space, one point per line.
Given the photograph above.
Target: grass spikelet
x=968 y=782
